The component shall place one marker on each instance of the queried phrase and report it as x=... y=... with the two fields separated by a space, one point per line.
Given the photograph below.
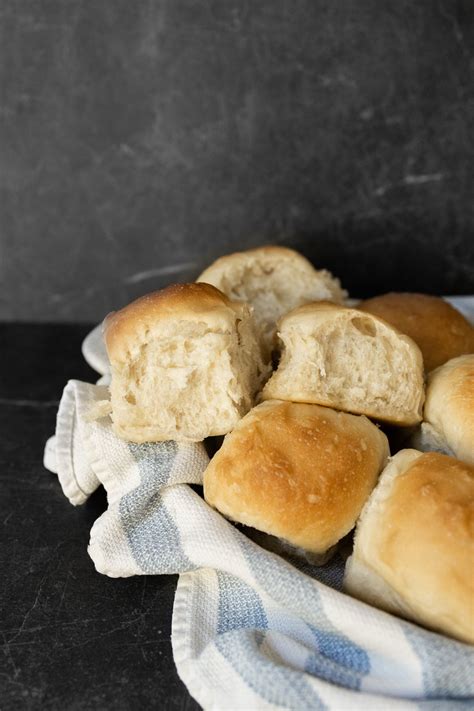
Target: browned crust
x=440 y=331
x=424 y=535
x=192 y=301
x=300 y=472
x=449 y=405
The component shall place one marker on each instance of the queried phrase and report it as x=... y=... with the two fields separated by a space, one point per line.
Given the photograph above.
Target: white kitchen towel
x=250 y=629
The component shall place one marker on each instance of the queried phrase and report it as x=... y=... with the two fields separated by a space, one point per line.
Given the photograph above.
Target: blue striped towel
x=250 y=629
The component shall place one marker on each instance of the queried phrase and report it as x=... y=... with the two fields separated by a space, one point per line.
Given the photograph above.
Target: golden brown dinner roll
x=186 y=364
x=449 y=408
x=274 y=280
x=439 y=330
x=341 y=358
x=299 y=472
x=414 y=543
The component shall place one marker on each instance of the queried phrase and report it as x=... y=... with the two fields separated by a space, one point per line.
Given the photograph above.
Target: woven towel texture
x=250 y=629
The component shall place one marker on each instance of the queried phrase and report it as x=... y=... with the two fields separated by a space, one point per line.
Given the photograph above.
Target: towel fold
x=250 y=630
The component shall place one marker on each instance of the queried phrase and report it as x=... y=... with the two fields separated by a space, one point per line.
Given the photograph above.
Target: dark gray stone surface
x=70 y=638
x=142 y=139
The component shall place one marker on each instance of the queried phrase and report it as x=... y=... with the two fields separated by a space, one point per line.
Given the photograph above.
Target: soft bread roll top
x=414 y=545
x=186 y=364
x=299 y=472
x=439 y=330
x=228 y=273
x=356 y=362
x=274 y=280
x=449 y=406
x=199 y=303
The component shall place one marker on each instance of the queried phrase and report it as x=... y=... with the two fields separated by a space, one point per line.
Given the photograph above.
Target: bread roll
x=439 y=330
x=414 y=543
x=449 y=408
x=338 y=357
x=186 y=364
x=299 y=472
x=274 y=280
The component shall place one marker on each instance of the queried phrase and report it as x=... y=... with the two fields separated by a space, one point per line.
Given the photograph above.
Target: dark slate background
x=142 y=139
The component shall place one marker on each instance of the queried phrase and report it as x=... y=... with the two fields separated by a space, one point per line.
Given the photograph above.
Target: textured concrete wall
x=142 y=139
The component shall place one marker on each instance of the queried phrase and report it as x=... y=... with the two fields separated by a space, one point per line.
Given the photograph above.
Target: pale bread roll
x=273 y=280
x=414 y=543
x=438 y=329
x=449 y=407
x=186 y=364
x=341 y=358
x=298 y=472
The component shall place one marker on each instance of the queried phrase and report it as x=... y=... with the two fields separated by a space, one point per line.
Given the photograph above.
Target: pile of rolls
x=264 y=349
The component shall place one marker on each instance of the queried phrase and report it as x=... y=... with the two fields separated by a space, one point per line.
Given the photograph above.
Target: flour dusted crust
x=414 y=544
x=186 y=364
x=298 y=472
x=348 y=360
x=273 y=280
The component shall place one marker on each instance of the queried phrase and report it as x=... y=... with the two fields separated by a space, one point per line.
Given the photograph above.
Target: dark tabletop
x=71 y=638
